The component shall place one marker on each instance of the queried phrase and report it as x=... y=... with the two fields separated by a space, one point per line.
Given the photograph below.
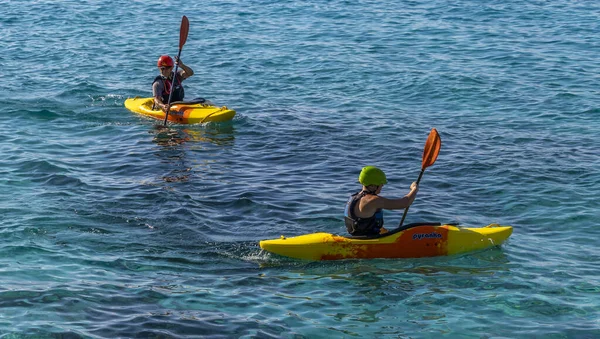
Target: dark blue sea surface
x=112 y=228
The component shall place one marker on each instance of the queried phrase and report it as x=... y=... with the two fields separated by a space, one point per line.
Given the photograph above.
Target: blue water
x=112 y=228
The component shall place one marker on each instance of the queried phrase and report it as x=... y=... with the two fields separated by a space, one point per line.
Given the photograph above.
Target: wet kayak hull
x=181 y=112
x=427 y=240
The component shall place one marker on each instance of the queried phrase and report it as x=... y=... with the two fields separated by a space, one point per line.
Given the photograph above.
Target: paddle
x=430 y=154
x=183 y=33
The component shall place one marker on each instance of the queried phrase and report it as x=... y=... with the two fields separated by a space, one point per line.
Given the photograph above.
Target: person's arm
x=187 y=71
x=158 y=104
x=391 y=204
x=157 y=89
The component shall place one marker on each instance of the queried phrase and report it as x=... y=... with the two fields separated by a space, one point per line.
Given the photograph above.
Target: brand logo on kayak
x=432 y=235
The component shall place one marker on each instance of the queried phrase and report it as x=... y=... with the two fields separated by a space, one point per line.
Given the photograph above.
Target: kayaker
x=161 y=87
x=364 y=209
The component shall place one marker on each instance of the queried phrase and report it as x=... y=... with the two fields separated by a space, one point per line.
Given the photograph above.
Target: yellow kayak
x=181 y=112
x=410 y=241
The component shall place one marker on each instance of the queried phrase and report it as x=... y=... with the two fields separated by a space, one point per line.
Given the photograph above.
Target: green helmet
x=371 y=175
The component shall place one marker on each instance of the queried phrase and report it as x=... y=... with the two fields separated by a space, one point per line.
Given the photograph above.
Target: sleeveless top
x=178 y=92
x=362 y=226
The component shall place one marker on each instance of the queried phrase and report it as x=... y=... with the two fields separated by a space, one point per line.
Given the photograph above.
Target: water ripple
x=113 y=228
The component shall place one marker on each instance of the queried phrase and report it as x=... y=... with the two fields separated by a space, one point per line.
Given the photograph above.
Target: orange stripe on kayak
x=186 y=114
x=424 y=241
x=179 y=114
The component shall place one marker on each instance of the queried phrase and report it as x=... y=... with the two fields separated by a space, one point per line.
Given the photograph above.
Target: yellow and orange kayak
x=410 y=241
x=181 y=112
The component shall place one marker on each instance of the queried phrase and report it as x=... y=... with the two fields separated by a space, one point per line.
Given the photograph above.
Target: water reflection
x=170 y=137
x=176 y=142
x=488 y=261
x=218 y=134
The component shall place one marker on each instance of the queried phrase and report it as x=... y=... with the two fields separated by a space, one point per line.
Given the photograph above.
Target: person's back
x=357 y=221
x=364 y=209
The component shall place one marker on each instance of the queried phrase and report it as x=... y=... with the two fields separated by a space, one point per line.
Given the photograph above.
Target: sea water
x=113 y=228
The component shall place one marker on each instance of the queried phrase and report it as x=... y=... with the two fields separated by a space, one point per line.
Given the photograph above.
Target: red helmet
x=165 y=61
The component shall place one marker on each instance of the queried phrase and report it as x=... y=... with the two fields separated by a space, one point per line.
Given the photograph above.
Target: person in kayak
x=163 y=83
x=364 y=210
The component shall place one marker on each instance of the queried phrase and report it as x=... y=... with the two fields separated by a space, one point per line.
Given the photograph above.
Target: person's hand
x=178 y=61
x=414 y=186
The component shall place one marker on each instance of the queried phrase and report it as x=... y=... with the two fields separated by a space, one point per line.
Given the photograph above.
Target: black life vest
x=178 y=92
x=362 y=226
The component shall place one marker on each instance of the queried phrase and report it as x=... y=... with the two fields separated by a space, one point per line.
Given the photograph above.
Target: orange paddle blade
x=432 y=149
x=183 y=31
